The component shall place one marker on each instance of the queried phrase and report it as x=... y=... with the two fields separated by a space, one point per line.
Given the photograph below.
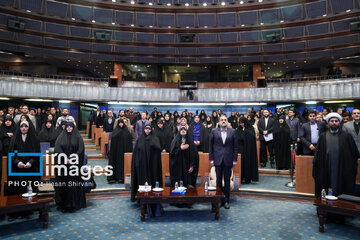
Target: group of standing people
x=22 y=133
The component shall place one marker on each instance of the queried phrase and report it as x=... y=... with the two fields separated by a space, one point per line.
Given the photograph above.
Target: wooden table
x=197 y=195
x=16 y=203
x=341 y=207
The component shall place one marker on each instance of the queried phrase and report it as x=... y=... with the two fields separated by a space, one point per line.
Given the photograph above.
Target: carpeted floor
x=118 y=218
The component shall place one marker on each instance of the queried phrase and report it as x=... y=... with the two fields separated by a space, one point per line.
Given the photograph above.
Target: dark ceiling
x=85 y=34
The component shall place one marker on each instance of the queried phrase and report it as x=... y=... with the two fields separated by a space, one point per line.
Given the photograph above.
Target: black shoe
x=111 y=181
x=226 y=205
x=272 y=165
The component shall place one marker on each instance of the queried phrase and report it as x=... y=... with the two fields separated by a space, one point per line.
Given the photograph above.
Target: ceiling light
x=187 y=26
x=150 y=4
x=132 y=2
x=64 y=101
x=261 y=23
x=241 y=2
x=168 y=4
x=113 y=23
x=260 y=1
x=205 y=26
x=128 y=103
x=150 y=26
x=349 y=10
x=132 y=25
x=324 y=15
x=340 y=101
x=204 y=4
x=243 y=25
x=113 y=0
x=188 y=65
x=246 y=104
x=223 y=3
x=93 y=21
x=4 y=98
x=169 y=26
x=281 y=21
x=37 y=100
x=311 y=102
x=72 y=18
x=186 y=4
x=28 y=10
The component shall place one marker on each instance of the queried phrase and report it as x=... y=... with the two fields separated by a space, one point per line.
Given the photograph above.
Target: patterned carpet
x=118 y=218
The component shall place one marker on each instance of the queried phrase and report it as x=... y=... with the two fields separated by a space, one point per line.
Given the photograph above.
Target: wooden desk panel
x=98 y=132
x=304 y=181
x=93 y=127
x=104 y=139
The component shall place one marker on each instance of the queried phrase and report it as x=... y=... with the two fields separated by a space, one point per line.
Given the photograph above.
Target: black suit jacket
x=219 y=152
x=305 y=135
x=269 y=127
x=108 y=127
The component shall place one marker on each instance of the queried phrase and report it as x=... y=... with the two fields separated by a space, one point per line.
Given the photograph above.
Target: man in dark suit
x=310 y=132
x=95 y=115
x=132 y=117
x=109 y=122
x=140 y=125
x=266 y=127
x=223 y=149
x=294 y=125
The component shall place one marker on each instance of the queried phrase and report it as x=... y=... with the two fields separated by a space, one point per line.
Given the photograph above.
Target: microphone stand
x=293 y=149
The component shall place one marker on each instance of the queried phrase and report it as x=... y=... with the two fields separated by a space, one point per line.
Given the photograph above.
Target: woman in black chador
x=146 y=161
x=24 y=141
x=69 y=190
x=248 y=151
x=282 y=144
x=47 y=133
x=121 y=142
x=184 y=159
x=7 y=130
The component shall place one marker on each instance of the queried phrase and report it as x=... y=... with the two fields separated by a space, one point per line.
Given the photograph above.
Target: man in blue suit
x=223 y=151
x=310 y=133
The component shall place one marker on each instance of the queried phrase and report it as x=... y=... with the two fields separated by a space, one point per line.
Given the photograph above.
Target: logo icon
x=32 y=174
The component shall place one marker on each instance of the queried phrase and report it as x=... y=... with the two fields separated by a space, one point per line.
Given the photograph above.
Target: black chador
x=24 y=141
x=282 y=142
x=164 y=134
x=184 y=163
x=48 y=134
x=247 y=149
x=5 y=134
x=146 y=161
x=121 y=142
x=69 y=189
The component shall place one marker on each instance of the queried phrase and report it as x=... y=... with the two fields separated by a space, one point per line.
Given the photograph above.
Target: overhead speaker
x=16 y=24
x=272 y=37
x=355 y=26
x=103 y=36
x=186 y=37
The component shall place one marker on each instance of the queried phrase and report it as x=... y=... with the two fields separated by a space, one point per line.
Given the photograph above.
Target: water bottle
x=157 y=184
x=330 y=192
x=146 y=184
x=176 y=185
x=29 y=191
x=181 y=184
x=206 y=186
x=323 y=194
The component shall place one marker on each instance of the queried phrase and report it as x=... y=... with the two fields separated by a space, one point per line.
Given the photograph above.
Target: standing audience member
x=266 y=127
x=353 y=127
x=282 y=143
x=25 y=111
x=65 y=117
x=109 y=121
x=140 y=125
x=310 y=132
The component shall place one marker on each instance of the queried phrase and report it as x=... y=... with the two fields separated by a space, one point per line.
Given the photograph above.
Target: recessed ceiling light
x=204 y=4
x=72 y=18
x=113 y=0
x=187 y=26
x=186 y=4
x=150 y=4
x=28 y=10
x=205 y=26
x=261 y=23
x=349 y=10
x=281 y=21
x=223 y=3
x=169 y=26
x=243 y=25
x=132 y=25
x=93 y=21
x=260 y=1
x=241 y=2
x=168 y=4
x=113 y=23
x=150 y=26
x=324 y=15
x=132 y=2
